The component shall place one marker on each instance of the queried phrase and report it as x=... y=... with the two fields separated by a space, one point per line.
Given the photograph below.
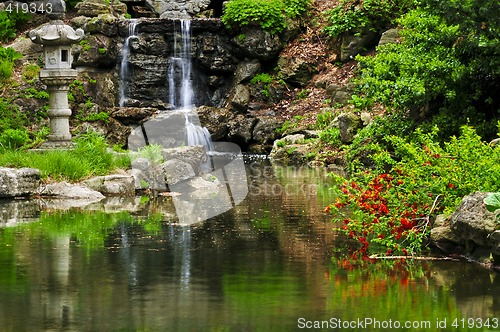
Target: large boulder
x=473 y=222
x=195 y=156
x=18 y=182
x=177 y=171
x=470 y=229
x=70 y=191
x=240 y=98
x=349 y=123
x=113 y=185
x=258 y=44
x=216 y=120
x=178 y=9
x=296 y=70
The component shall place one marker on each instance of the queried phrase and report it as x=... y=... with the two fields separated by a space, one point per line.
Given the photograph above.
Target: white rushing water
x=181 y=93
x=124 y=65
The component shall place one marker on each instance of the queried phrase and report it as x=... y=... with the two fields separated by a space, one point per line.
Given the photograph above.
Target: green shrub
x=266 y=13
x=7 y=57
x=14 y=138
x=11 y=117
x=354 y=15
x=9 y=22
x=270 y=15
x=393 y=204
x=446 y=69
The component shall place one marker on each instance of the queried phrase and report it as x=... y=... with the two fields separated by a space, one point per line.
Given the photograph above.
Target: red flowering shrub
x=393 y=205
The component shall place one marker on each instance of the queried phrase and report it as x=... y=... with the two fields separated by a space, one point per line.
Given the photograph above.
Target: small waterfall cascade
x=181 y=93
x=124 y=65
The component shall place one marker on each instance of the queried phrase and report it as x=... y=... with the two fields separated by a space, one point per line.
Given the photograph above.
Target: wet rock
x=148 y=175
x=246 y=71
x=96 y=51
x=216 y=120
x=241 y=129
x=132 y=115
x=178 y=9
x=443 y=237
x=94 y=8
x=240 y=98
x=105 y=24
x=195 y=156
x=67 y=190
x=474 y=224
x=177 y=171
x=18 y=182
x=113 y=185
x=296 y=70
x=259 y=44
x=349 y=123
x=265 y=129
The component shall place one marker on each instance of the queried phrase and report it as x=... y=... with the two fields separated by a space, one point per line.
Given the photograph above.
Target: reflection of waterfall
x=124 y=66
x=180 y=87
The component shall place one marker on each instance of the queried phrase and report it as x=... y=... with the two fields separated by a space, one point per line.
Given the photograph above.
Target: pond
x=273 y=263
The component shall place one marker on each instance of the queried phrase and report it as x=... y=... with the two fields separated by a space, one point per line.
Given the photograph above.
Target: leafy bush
x=13 y=138
x=352 y=15
x=446 y=70
x=9 y=22
x=7 y=57
x=11 y=117
x=392 y=205
x=270 y=15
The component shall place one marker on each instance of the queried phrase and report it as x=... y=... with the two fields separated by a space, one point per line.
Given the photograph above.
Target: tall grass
x=89 y=158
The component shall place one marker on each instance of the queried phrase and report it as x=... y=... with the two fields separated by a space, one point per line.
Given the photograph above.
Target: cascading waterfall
x=124 y=65
x=181 y=92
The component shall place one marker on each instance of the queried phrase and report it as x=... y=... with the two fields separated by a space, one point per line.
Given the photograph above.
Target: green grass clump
x=89 y=158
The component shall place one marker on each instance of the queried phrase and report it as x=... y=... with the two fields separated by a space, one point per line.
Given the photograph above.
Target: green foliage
x=7 y=57
x=330 y=136
x=13 y=138
x=90 y=157
x=152 y=152
x=30 y=72
x=262 y=78
x=9 y=22
x=101 y=116
x=492 y=202
x=270 y=15
x=84 y=43
x=10 y=116
x=303 y=94
x=295 y=8
x=354 y=15
x=447 y=67
x=415 y=179
x=34 y=93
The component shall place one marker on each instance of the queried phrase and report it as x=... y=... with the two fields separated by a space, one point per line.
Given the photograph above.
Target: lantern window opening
x=64 y=55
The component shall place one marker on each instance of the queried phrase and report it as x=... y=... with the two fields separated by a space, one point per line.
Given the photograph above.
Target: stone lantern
x=56 y=38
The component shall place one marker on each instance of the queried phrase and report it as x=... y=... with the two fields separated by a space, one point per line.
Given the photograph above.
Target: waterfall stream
x=180 y=87
x=124 y=66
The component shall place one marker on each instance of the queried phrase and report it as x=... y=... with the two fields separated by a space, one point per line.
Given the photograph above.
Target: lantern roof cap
x=54 y=33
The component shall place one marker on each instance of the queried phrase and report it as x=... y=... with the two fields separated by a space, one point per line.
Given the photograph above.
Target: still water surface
x=266 y=265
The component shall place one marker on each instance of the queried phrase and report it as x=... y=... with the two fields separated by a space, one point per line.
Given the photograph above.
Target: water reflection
x=260 y=266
